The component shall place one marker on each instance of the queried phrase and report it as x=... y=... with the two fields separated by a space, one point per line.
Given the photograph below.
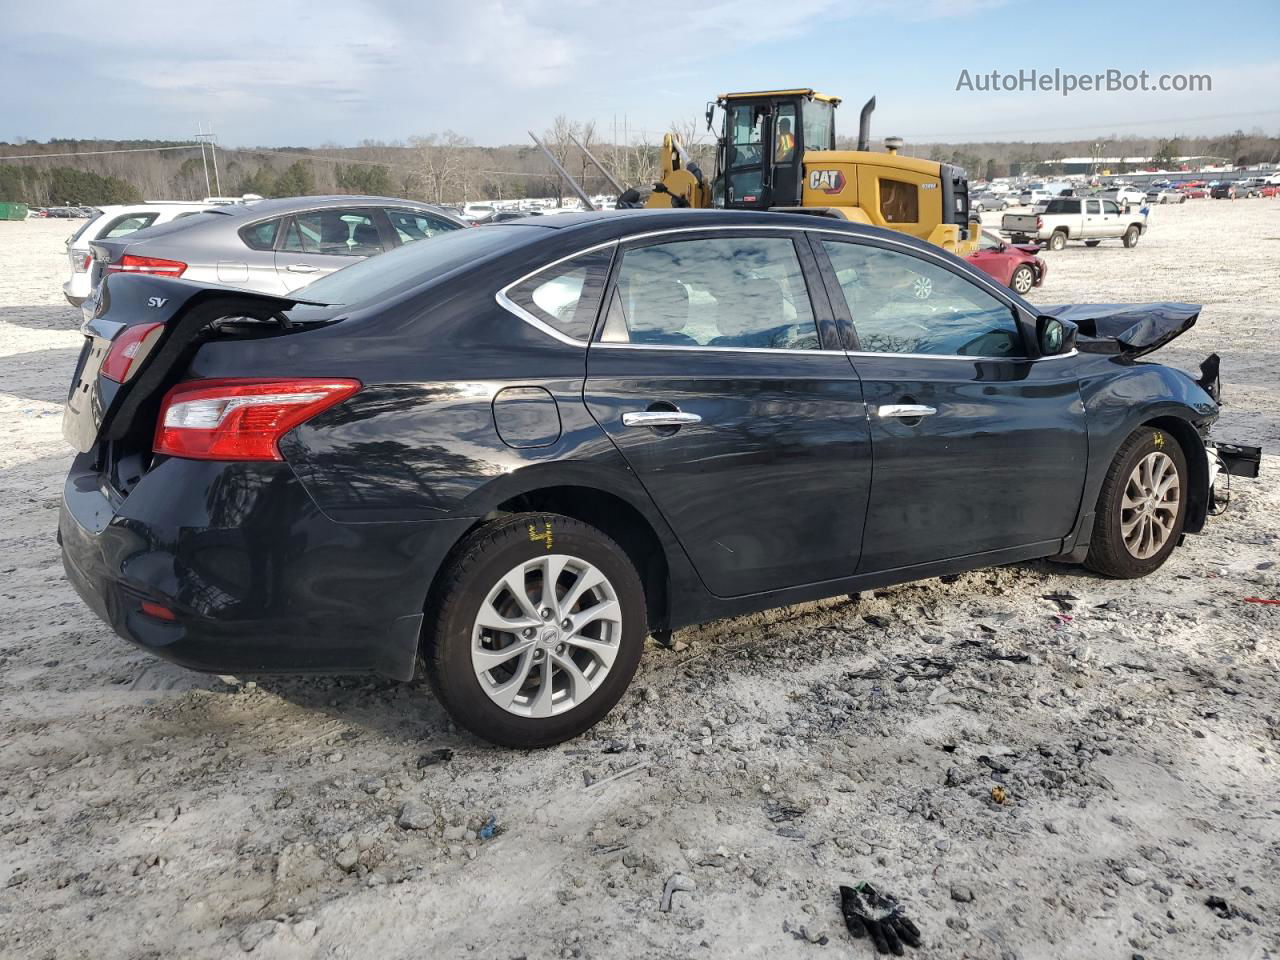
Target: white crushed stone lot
x=1134 y=728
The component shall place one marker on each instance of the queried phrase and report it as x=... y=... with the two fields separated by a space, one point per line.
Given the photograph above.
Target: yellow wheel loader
x=776 y=151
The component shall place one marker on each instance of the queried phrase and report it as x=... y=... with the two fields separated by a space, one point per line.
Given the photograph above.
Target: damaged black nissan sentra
x=517 y=450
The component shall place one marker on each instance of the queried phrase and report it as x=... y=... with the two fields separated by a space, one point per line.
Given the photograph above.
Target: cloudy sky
x=310 y=72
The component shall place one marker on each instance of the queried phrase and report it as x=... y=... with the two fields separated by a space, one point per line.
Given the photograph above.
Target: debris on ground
x=869 y=913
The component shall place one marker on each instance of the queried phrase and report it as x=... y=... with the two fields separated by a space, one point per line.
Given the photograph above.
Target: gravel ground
x=1038 y=762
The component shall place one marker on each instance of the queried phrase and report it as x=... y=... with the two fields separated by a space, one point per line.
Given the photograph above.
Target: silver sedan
x=274 y=246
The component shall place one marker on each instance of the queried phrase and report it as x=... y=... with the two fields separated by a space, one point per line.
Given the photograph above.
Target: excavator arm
x=682 y=183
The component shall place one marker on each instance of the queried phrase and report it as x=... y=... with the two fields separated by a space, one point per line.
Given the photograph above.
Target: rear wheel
x=1023 y=279
x=538 y=630
x=1141 y=508
x=1131 y=236
x=1058 y=240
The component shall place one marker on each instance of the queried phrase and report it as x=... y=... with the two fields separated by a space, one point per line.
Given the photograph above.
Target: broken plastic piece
x=677 y=883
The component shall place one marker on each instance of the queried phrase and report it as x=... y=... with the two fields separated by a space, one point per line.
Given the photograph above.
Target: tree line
x=450 y=168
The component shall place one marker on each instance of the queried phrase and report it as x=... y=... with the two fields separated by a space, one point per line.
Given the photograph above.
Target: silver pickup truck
x=1091 y=219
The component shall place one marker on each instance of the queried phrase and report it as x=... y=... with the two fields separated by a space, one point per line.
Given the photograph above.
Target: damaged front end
x=1131 y=330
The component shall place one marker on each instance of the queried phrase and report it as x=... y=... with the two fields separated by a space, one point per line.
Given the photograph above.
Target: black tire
x=1130 y=238
x=1092 y=243
x=1058 y=240
x=1108 y=554
x=1023 y=279
x=476 y=565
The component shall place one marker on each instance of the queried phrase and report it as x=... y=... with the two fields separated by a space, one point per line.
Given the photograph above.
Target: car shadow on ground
x=43 y=375
x=43 y=317
x=406 y=712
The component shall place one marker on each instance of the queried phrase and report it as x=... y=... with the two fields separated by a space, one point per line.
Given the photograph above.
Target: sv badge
x=157 y=301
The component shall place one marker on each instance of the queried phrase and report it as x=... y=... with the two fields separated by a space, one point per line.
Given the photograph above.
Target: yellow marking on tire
x=543 y=537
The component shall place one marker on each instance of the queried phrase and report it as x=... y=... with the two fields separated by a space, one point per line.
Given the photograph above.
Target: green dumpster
x=13 y=211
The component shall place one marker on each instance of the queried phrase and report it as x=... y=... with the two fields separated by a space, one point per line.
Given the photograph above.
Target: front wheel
x=1141 y=508
x=537 y=632
x=1131 y=236
x=1023 y=279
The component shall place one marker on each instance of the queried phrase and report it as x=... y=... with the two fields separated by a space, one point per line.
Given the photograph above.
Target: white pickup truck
x=1090 y=219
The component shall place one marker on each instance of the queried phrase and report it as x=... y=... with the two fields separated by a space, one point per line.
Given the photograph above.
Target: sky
x=316 y=72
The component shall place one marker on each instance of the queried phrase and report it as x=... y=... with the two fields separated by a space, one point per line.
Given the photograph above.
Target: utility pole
x=204 y=159
x=209 y=139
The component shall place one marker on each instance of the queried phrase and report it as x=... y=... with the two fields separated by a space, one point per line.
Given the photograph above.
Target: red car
x=1013 y=264
x=1195 y=193
x=1270 y=190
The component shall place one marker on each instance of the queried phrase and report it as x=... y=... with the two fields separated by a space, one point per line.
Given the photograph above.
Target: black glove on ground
x=868 y=912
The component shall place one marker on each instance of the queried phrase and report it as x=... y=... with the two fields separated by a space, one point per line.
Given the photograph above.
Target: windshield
x=415 y=264
x=817 y=125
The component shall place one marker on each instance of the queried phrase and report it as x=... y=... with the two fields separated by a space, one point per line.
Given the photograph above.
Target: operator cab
x=763 y=143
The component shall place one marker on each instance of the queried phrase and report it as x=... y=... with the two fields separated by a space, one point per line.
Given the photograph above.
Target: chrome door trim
x=605 y=345
x=904 y=411
x=659 y=418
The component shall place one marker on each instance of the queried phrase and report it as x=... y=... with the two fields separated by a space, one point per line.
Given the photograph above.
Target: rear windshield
x=85 y=226
x=184 y=222
x=414 y=264
x=1063 y=206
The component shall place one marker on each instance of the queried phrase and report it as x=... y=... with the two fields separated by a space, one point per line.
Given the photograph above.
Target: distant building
x=1105 y=165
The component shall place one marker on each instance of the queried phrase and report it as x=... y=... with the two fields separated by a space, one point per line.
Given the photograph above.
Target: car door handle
x=660 y=418
x=301 y=268
x=904 y=411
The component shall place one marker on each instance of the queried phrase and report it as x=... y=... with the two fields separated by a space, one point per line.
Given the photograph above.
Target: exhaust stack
x=864 y=124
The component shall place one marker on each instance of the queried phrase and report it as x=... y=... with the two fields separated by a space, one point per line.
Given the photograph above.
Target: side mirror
x=711 y=112
x=1054 y=336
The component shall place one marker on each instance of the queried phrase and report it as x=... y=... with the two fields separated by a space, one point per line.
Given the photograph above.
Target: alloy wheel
x=546 y=636
x=1149 y=508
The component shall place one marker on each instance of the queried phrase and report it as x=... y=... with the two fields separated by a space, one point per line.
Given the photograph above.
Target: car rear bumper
x=257 y=578
x=77 y=288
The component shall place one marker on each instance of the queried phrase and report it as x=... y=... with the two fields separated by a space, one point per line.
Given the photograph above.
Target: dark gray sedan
x=275 y=246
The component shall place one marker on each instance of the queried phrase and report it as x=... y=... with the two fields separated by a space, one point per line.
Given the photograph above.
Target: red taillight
x=132 y=343
x=82 y=265
x=241 y=419
x=1039 y=223
x=155 y=265
x=157 y=611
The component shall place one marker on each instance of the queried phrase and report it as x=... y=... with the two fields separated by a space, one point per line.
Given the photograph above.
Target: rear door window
x=334 y=232
x=726 y=292
x=411 y=225
x=127 y=224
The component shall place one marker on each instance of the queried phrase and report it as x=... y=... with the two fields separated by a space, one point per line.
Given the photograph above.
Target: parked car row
x=514 y=451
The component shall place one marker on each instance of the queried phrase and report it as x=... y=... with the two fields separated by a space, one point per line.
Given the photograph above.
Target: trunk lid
x=179 y=315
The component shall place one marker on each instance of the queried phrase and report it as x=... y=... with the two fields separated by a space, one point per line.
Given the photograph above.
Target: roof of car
x=261 y=208
x=605 y=225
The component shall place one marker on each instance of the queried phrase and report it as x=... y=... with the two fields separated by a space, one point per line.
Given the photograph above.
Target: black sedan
x=514 y=452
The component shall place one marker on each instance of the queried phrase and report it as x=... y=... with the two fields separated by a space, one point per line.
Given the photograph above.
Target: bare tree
x=440 y=162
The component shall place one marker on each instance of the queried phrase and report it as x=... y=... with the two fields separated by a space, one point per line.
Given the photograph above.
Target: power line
x=97 y=153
